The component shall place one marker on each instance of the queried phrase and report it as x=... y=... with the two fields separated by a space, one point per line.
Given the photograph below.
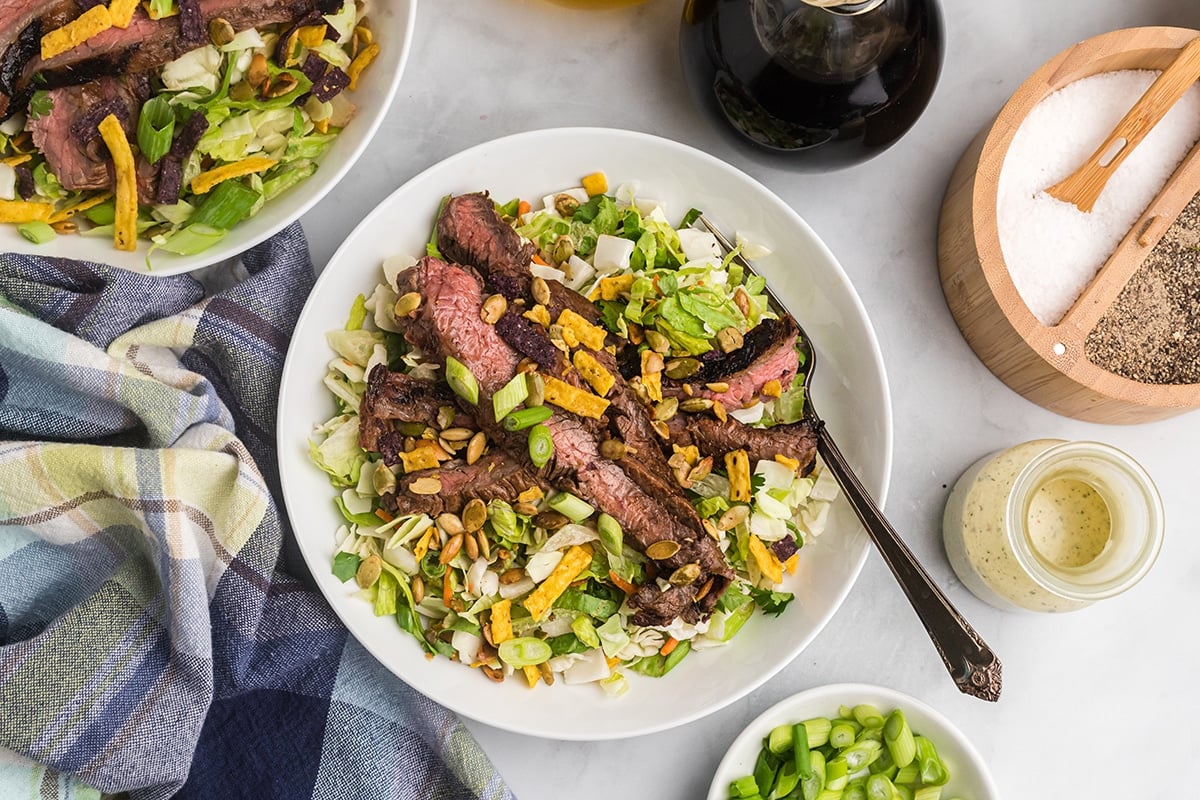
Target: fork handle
x=971 y=663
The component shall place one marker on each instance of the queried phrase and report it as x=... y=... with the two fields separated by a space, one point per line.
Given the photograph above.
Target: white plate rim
x=835 y=692
x=314 y=560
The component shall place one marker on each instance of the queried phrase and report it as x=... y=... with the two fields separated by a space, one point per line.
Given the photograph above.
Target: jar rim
x=1027 y=480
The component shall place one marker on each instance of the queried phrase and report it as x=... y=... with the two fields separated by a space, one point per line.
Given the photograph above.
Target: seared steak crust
x=493 y=477
x=716 y=438
x=396 y=396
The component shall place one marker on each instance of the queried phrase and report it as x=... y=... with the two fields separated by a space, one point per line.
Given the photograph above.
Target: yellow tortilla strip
x=577 y=401
x=19 y=211
x=125 y=220
x=577 y=559
x=790 y=564
x=17 y=160
x=737 y=464
x=121 y=12
x=766 y=560
x=95 y=20
x=84 y=205
x=651 y=380
x=596 y=375
x=531 y=495
x=422 y=546
x=591 y=335
x=419 y=458
x=360 y=63
x=205 y=181
x=501 y=622
x=532 y=675
x=538 y=314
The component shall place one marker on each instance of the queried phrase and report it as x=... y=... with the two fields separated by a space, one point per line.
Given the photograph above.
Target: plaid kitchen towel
x=148 y=642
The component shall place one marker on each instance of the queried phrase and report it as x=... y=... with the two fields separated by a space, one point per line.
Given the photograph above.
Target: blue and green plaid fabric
x=149 y=643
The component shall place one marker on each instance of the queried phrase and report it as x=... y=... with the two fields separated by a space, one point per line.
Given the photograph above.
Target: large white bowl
x=851 y=391
x=392 y=23
x=969 y=776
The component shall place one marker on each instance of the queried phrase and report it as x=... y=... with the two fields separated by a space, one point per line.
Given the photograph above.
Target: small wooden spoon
x=1083 y=187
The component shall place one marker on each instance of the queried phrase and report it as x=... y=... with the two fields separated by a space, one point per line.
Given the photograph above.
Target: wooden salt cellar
x=1048 y=364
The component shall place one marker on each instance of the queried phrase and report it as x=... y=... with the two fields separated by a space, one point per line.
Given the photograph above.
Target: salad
x=218 y=110
x=474 y=512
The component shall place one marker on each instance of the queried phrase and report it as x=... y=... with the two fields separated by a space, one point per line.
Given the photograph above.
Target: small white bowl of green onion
x=852 y=741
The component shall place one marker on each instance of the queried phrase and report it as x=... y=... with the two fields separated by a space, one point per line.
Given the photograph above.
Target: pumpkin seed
x=565 y=205
x=426 y=485
x=475 y=447
x=733 y=517
x=704 y=590
x=711 y=529
x=652 y=362
x=658 y=343
x=541 y=290
x=680 y=368
x=695 y=405
x=494 y=675
x=550 y=520
x=451 y=549
x=281 y=85
x=493 y=309
x=526 y=509
x=417 y=589
x=685 y=575
x=457 y=434
x=450 y=524
x=742 y=301
x=564 y=248
x=662 y=549
x=729 y=339
x=368 y=571
x=537 y=390
x=471 y=545
x=688 y=390
x=65 y=226
x=719 y=410
x=526 y=365
x=612 y=449
x=546 y=672
x=407 y=304
x=681 y=475
x=256 y=73
x=486 y=630
x=220 y=31
x=720 y=387
x=661 y=428
x=511 y=576
x=701 y=470
x=666 y=409
x=474 y=514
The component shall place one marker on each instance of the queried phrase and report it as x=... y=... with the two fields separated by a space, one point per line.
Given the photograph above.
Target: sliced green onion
x=845 y=712
x=880 y=788
x=192 y=240
x=743 y=787
x=510 y=396
x=611 y=535
x=779 y=740
x=908 y=776
x=818 y=731
x=861 y=753
x=837 y=774
x=226 y=205
x=841 y=735
x=764 y=772
x=462 y=381
x=800 y=752
x=812 y=786
x=868 y=716
x=541 y=445
x=899 y=739
x=155 y=128
x=525 y=651
x=571 y=506
x=527 y=417
x=37 y=231
x=928 y=793
x=856 y=790
x=786 y=779
x=102 y=214
x=585 y=630
x=933 y=771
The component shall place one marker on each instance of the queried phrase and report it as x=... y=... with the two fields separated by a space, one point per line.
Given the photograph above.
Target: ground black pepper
x=1152 y=332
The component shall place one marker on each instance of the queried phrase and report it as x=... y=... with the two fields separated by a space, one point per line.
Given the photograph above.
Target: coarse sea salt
x=1052 y=249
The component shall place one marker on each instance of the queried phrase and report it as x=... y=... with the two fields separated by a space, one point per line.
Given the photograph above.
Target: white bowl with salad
x=854 y=741
x=615 y=671
x=167 y=135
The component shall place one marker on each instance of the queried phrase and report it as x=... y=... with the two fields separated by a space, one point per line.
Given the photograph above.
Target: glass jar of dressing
x=1052 y=526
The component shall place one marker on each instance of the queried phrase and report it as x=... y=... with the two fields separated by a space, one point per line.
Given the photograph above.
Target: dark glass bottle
x=810 y=87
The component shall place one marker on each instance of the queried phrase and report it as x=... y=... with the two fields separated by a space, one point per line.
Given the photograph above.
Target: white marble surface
x=1101 y=703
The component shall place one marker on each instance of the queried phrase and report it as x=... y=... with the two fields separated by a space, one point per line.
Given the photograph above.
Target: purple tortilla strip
x=313 y=67
x=330 y=85
x=189 y=136
x=170 y=182
x=25 y=185
x=785 y=548
x=191 y=21
x=87 y=127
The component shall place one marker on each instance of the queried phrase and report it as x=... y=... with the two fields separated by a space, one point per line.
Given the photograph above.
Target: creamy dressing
x=1068 y=524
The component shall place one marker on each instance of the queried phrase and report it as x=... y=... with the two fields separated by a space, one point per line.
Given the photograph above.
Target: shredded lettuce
x=339 y=454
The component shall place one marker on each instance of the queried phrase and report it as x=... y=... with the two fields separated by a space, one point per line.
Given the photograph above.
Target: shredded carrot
x=447 y=588
x=538 y=260
x=523 y=207
x=622 y=584
x=669 y=646
x=383 y=514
